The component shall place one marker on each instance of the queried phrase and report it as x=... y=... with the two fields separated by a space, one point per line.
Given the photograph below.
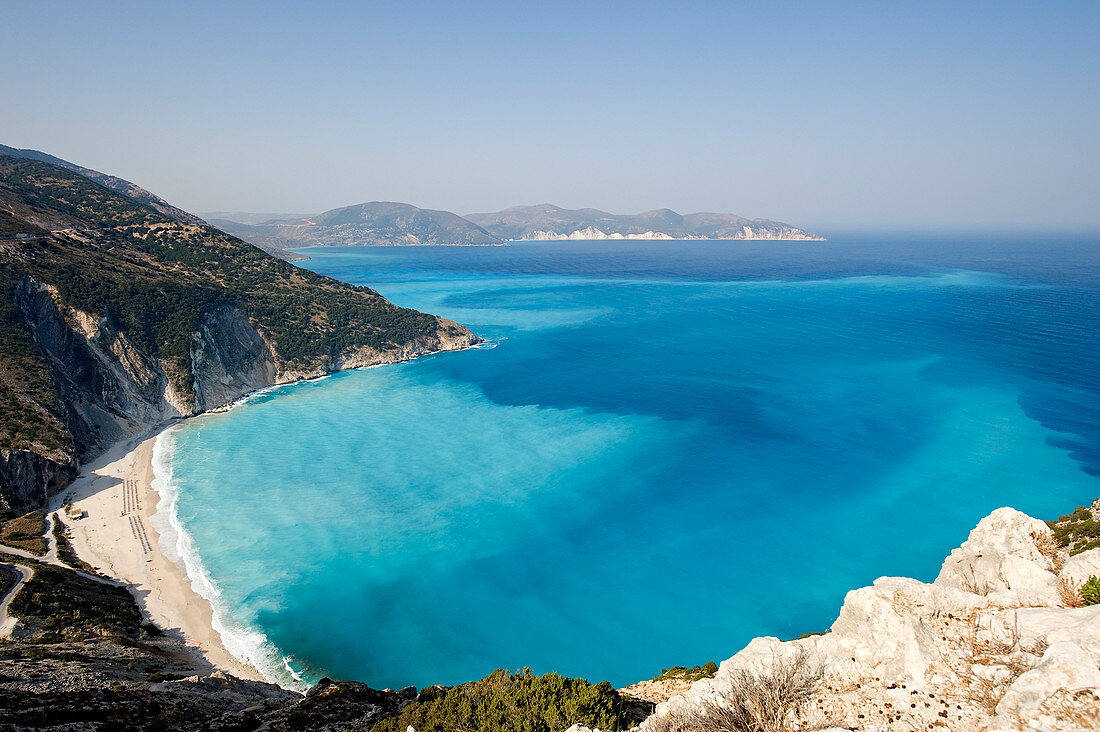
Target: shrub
x=695 y=673
x=1078 y=531
x=763 y=702
x=1090 y=591
x=514 y=702
x=62 y=602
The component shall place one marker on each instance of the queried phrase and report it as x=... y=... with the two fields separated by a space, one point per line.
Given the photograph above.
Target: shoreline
x=247 y=645
x=122 y=483
x=634 y=237
x=119 y=537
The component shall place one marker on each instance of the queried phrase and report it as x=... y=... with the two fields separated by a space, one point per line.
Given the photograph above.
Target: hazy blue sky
x=825 y=115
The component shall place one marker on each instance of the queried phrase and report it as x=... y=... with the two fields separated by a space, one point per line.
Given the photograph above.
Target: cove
x=663 y=450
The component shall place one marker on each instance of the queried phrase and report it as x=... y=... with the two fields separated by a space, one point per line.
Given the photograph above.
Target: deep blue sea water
x=664 y=450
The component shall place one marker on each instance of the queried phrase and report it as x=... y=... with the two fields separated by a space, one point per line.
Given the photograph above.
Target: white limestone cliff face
x=747 y=233
x=591 y=232
x=989 y=645
x=229 y=359
x=109 y=387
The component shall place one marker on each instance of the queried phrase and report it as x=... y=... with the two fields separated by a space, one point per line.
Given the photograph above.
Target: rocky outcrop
x=994 y=643
x=228 y=359
x=450 y=337
x=106 y=388
x=27 y=479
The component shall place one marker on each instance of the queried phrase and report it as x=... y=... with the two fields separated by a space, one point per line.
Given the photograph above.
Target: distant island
x=384 y=223
x=380 y=223
x=547 y=222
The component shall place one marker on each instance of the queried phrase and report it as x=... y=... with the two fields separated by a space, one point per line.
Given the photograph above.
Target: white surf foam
x=246 y=644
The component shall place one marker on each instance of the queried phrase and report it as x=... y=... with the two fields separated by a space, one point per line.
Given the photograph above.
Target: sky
x=842 y=115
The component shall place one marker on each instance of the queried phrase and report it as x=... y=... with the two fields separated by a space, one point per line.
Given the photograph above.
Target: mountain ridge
x=123 y=187
x=375 y=223
x=388 y=223
x=547 y=221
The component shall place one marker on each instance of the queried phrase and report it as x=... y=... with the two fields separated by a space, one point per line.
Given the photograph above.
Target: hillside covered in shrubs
x=114 y=315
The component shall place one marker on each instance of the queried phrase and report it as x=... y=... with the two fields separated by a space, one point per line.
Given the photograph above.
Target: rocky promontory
x=1000 y=640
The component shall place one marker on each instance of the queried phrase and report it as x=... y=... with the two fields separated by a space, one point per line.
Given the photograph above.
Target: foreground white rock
x=989 y=645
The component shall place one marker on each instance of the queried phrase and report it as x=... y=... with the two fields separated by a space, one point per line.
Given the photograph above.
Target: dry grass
x=27 y=532
x=1081 y=707
x=970 y=584
x=1049 y=547
x=1010 y=654
x=1069 y=593
x=756 y=702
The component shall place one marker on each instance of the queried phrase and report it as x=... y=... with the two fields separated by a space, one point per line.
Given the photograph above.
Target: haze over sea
x=664 y=450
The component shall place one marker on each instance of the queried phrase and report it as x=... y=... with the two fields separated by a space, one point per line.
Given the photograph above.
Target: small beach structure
x=73 y=512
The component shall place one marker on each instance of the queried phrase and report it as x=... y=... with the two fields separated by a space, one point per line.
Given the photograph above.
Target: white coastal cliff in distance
x=547 y=222
x=592 y=232
x=747 y=233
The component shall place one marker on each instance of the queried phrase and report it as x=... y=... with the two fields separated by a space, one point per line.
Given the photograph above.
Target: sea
x=662 y=450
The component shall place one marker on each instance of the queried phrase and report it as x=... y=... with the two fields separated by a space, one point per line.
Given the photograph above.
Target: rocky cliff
x=115 y=317
x=999 y=641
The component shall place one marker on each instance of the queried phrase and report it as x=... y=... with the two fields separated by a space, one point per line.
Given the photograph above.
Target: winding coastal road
x=50 y=557
x=7 y=622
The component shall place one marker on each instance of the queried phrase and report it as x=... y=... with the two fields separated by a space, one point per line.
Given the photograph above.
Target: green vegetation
x=66 y=604
x=26 y=532
x=1078 y=531
x=1090 y=591
x=519 y=702
x=28 y=416
x=706 y=671
x=155 y=279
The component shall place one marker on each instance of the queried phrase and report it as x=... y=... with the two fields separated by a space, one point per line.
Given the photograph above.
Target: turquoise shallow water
x=663 y=451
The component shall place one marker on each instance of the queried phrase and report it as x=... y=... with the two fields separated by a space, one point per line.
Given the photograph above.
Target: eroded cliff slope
x=115 y=316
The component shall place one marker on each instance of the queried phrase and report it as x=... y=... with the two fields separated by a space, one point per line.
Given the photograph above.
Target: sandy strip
x=118 y=538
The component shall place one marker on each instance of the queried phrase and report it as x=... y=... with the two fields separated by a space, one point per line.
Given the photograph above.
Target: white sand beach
x=117 y=537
